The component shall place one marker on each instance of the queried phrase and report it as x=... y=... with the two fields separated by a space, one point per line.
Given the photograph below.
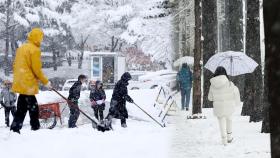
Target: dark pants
x=74 y=115
x=185 y=98
x=7 y=114
x=26 y=103
x=98 y=112
x=123 y=121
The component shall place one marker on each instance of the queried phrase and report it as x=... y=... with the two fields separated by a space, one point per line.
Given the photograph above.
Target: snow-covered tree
x=183 y=30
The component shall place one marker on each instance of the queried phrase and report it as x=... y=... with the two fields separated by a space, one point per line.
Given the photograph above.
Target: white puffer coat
x=225 y=96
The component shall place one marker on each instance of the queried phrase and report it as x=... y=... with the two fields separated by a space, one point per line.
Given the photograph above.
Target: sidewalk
x=201 y=138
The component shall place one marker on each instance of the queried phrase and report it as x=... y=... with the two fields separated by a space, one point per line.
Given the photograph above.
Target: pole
x=149 y=115
x=158 y=95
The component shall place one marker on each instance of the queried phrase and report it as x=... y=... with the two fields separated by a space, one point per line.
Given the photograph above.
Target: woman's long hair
x=220 y=71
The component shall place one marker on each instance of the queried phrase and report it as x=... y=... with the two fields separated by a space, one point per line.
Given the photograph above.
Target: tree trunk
x=54 y=60
x=234 y=16
x=265 y=123
x=69 y=59
x=225 y=32
x=183 y=41
x=209 y=32
x=82 y=49
x=254 y=81
x=80 y=58
x=197 y=57
x=114 y=43
x=176 y=28
x=13 y=43
x=272 y=49
x=7 y=39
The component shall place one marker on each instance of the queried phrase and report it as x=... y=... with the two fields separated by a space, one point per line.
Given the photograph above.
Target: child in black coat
x=97 y=98
x=74 y=95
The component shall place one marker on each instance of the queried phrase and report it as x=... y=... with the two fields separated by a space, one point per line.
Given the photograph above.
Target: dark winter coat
x=75 y=91
x=97 y=94
x=119 y=98
x=7 y=97
x=184 y=78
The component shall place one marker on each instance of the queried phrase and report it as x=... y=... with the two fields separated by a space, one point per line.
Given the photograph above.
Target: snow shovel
x=161 y=125
x=95 y=123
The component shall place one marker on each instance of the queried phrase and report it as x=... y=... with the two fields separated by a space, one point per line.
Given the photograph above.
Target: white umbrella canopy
x=235 y=63
x=186 y=59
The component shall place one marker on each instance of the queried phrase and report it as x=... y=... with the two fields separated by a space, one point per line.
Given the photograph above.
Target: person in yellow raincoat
x=28 y=74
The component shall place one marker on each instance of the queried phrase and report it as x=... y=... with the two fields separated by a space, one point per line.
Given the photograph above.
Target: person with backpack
x=97 y=98
x=184 y=79
x=8 y=100
x=225 y=96
x=74 y=96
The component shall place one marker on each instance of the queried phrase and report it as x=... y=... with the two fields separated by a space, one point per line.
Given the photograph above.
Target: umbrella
x=235 y=63
x=186 y=59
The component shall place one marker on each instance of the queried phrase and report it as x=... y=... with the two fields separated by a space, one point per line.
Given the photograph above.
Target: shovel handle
x=149 y=115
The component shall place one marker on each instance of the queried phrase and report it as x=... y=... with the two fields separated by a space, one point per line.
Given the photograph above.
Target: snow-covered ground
x=201 y=138
x=143 y=138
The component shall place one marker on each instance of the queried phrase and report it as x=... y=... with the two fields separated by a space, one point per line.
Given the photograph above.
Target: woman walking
x=225 y=96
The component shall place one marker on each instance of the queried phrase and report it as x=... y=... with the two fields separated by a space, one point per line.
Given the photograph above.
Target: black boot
x=7 y=122
x=123 y=123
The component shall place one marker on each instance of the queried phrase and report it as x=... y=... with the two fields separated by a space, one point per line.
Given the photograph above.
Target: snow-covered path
x=201 y=138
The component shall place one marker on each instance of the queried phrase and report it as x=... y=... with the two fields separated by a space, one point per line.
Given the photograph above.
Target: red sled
x=48 y=115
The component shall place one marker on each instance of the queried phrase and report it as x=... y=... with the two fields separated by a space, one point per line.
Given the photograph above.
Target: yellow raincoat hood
x=36 y=36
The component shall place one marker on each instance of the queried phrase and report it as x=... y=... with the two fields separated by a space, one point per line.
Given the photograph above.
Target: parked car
x=134 y=83
x=152 y=80
x=69 y=83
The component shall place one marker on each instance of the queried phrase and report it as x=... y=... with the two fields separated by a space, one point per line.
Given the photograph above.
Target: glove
x=129 y=99
x=93 y=103
x=49 y=85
